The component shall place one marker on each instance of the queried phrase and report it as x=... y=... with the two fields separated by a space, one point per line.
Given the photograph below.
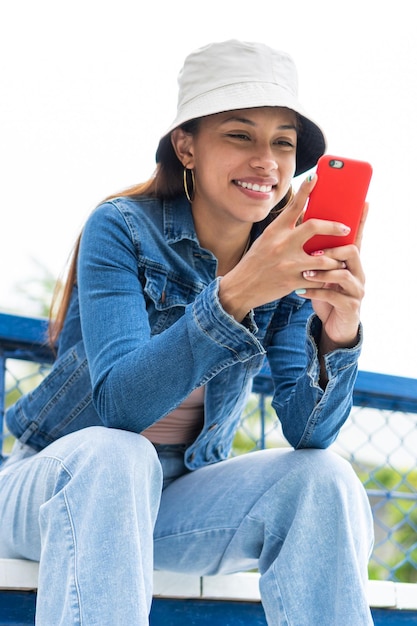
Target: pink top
x=181 y=425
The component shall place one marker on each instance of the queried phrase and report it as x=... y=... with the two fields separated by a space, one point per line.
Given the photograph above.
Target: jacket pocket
x=168 y=289
x=166 y=294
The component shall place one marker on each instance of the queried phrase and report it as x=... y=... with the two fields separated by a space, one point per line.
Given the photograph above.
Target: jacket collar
x=178 y=221
x=179 y=224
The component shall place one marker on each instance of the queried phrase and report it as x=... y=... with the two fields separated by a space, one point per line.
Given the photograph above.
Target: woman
x=183 y=285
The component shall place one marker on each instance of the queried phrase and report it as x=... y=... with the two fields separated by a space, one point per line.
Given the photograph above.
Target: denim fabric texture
x=146 y=317
x=100 y=506
x=93 y=509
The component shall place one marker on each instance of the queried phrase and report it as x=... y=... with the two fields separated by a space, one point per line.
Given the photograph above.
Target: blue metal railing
x=379 y=439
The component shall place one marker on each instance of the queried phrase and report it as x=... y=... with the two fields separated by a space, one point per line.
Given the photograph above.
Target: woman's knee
x=98 y=450
x=324 y=469
x=331 y=489
x=318 y=475
x=324 y=463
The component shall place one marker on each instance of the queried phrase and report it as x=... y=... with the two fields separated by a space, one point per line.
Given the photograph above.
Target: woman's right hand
x=274 y=265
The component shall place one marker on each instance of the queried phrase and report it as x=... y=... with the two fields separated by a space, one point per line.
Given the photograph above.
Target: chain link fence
x=380 y=444
x=382 y=447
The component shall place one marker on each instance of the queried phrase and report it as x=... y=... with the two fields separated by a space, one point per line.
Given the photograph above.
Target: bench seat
x=19 y=574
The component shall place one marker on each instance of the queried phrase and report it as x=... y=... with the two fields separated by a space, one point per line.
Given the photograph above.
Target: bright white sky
x=88 y=86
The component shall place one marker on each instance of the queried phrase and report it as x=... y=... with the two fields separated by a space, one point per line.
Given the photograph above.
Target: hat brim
x=311 y=142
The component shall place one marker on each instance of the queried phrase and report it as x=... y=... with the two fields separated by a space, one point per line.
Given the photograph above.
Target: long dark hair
x=166 y=183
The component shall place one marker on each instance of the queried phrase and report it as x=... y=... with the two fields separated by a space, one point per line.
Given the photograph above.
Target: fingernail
x=300 y=292
x=345 y=229
x=310 y=178
x=317 y=253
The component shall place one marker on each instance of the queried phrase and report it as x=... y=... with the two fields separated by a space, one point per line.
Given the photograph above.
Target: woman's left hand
x=336 y=295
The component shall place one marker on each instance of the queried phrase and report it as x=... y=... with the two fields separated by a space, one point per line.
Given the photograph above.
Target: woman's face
x=243 y=162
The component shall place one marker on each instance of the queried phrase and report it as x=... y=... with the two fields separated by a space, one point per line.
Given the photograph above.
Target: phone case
x=339 y=195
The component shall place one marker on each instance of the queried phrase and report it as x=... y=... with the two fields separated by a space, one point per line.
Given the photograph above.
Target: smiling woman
x=236 y=159
x=179 y=288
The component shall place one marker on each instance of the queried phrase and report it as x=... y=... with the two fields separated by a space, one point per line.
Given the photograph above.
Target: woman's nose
x=264 y=158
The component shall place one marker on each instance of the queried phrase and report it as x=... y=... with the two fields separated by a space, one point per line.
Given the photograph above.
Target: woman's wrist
x=232 y=299
x=327 y=345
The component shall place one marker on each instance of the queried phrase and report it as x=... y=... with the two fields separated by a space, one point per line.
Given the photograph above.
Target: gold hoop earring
x=190 y=197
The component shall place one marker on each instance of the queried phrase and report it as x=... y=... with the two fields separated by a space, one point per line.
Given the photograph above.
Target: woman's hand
x=336 y=295
x=276 y=263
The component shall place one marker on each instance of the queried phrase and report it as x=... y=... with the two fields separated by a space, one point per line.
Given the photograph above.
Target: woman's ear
x=182 y=143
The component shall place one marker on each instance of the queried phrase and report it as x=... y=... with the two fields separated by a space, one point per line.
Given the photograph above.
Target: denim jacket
x=145 y=327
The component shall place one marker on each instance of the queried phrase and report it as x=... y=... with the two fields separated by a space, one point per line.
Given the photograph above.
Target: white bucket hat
x=234 y=75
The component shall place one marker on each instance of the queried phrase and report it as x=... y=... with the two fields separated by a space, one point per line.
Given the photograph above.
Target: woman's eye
x=285 y=143
x=238 y=136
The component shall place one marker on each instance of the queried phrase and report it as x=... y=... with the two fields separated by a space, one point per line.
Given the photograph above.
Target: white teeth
x=255 y=186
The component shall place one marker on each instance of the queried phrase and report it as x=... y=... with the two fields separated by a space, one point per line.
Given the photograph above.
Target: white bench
x=17 y=574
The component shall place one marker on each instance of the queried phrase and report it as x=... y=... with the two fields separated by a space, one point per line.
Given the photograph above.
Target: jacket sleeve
x=137 y=377
x=310 y=416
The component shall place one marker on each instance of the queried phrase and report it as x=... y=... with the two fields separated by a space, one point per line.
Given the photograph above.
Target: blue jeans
x=89 y=508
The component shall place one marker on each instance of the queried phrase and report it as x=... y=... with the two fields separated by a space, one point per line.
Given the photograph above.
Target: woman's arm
x=310 y=415
x=136 y=378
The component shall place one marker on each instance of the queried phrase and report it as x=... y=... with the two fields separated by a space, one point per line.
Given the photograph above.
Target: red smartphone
x=339 y=196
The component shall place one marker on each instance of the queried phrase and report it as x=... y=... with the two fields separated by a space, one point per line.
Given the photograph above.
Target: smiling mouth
x=254 y=186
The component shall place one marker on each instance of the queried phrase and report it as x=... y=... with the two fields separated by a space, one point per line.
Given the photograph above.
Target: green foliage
x=21 y=377
x=255 y=433
x=397 y=517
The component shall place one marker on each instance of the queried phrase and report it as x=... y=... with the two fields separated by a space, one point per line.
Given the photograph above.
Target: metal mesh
x=20 y=378
x=382 y=448
x=381 y=445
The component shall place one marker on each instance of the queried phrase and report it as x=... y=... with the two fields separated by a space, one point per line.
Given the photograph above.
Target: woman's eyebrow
x=244 y=120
